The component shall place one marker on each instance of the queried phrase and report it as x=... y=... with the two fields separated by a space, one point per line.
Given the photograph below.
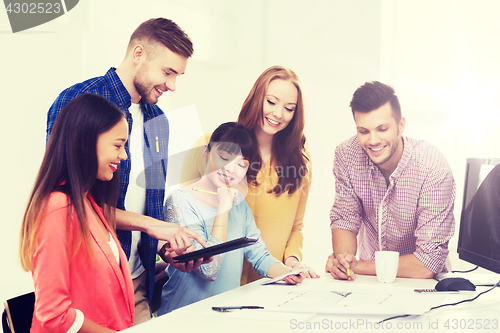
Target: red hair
x=288 y=150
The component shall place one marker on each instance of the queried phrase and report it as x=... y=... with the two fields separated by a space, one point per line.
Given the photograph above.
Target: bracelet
x=163 y=249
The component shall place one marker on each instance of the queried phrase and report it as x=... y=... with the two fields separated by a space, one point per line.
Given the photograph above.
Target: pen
x=157 y=145
x=209 y=192
x=229 y=308
x=199 y=190
x=348 y=274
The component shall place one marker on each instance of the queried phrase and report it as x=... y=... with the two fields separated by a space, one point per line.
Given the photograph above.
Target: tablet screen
x=216 y=249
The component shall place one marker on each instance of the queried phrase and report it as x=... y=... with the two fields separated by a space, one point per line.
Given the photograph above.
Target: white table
x=483 y=314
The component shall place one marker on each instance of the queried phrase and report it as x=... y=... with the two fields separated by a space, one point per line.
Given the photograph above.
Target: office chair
x=18 y=314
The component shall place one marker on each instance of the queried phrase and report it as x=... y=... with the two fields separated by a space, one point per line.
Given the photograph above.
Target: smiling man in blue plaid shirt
x=156 y=55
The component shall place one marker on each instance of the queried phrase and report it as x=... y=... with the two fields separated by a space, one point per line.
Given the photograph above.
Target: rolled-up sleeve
x=435 y=220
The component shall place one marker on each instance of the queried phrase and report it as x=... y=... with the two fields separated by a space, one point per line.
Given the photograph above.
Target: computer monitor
x=479 y=235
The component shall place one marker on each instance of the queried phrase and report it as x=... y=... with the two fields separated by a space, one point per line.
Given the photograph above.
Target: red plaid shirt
x=415 y=210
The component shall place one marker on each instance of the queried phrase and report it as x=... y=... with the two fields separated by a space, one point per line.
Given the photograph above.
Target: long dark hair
x=70 y=166
x=288 y=149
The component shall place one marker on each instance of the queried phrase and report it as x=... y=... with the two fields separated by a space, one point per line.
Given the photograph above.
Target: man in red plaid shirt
x=393 y=193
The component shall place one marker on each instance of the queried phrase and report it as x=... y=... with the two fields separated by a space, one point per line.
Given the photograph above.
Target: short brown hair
x=372 y=95
x=165 y=31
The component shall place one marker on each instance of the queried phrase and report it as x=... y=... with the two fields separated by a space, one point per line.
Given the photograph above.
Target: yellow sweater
x=279 y=218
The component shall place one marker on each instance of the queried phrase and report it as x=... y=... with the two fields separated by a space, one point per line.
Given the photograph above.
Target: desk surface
x=483 y=314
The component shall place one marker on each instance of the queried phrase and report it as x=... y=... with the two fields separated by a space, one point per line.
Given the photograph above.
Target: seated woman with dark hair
x=219 y=216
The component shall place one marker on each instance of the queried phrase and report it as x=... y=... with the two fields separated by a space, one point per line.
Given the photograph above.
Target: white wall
x=441 y=57
x=446 y=70
x=334 y=47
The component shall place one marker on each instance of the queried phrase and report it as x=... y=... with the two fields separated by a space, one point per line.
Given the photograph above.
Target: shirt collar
x=120 y=94
x=405 y=158
x=145 y=107
x=403 y=162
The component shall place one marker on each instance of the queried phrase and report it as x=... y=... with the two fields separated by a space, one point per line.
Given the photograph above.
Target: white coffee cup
x=386 y=265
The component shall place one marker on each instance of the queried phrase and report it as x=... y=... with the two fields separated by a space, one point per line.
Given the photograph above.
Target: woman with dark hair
x=216 y=210
x=80 y=272
x=281 y=171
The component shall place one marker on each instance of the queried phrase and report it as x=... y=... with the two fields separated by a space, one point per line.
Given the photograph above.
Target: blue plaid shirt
x=155 y=157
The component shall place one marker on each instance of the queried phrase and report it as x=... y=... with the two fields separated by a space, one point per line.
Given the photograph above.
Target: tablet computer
x=216 y=249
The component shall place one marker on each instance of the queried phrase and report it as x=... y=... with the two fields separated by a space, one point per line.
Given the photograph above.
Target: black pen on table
x=229 y=308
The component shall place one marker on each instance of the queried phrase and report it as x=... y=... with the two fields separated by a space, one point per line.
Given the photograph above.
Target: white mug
x=386 y=265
